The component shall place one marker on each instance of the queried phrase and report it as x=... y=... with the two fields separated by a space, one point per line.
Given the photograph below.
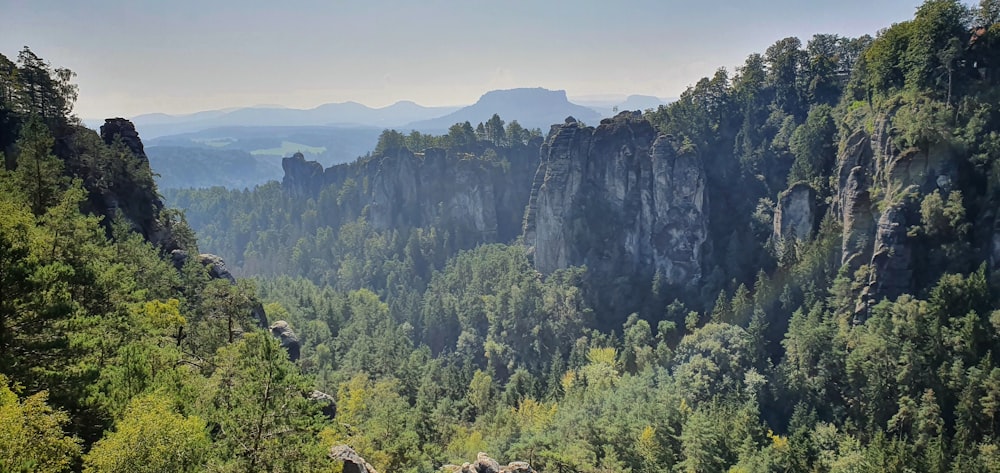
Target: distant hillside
x=185 y=167
x=532 y=108
x=610 y=106
x=328 y=145
x=350 y=114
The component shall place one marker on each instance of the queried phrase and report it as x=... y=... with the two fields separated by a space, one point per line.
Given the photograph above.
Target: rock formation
x=795 y=215
x=620 y=199
x=892 y=258
x=353 y=463
x=217 y=270
x=483 y=198
x=485 y=464
x=301 y=176
x=289 y=341
x=133 y=197
x=877 y=201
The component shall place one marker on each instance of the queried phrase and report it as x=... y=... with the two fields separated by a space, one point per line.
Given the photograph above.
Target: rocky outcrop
x=795 y=214
x=485 y=464
x=892 y=260
x=479 y=194
x=880 y=186
x=854 y=203
x=216 y=267
x=460 y=190
x=327 y=404
x=353 y=463
x=619 y=198
x=289 y=341
x=130 y=194
x=301 y=176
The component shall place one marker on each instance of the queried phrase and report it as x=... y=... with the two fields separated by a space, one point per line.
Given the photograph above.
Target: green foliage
x=151 y=437
x=437 y=346
x=812 y=144
x=38 y=172
x=31 y=433
x=256 y=399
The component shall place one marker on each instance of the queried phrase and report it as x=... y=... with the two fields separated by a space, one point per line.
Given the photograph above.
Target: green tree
x=39 y=172
x=495 y=131
x=256 y=397
x=151 y=438
x=31 y=434
x=44 y=92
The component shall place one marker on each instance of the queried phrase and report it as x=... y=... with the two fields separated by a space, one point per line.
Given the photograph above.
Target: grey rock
x=289 y=341
x=483 y=198
x=853 y=204
x=485 y=464
x=328 y=405
x=795 y=214
x=353 y=463
x=301 y=176
x=620 y=199
x=217 y=269
x=892 y=260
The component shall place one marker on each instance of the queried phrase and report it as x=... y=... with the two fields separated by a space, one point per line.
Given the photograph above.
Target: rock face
x=854 y=203
x=133 y=196
x=217 y=270
x=620 y=199
x=795 y=214
x=301 y=176
x=216 y=267
x=892 y=260
x=478 y=193
x=327 y=404
x=877 y=201
x=289 y=341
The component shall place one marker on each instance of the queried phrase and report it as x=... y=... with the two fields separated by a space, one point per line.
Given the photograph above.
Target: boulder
x=353 y=463
x=485 y=464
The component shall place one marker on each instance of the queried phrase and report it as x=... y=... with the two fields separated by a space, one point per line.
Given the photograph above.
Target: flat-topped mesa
x=619 y=198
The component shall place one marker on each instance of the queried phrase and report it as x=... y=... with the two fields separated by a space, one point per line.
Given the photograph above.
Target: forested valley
x=793 y=267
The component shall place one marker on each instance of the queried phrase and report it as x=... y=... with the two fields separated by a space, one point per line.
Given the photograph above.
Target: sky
x=143 y=56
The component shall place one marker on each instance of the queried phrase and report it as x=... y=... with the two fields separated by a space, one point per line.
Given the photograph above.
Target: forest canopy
x=862 y=343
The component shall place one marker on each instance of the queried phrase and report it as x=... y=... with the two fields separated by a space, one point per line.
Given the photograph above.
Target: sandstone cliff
x=881 y=183
x=479 y=194
x=619 y=198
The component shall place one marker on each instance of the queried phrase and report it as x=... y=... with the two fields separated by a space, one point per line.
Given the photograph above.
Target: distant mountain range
x=531 y=107
x=347 y=114
x=607 y=106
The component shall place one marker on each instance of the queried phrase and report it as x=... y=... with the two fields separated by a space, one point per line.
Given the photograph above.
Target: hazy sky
x=142 y=56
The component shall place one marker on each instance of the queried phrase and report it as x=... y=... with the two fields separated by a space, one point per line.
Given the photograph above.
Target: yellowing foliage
x=31 y=434
x=151 y=437
x=164 y=315
x=603 y=356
